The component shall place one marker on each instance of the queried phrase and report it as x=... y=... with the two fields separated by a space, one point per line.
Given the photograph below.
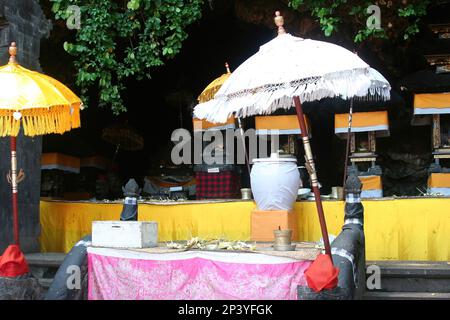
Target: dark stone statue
x=348 y=251
x=131 y=192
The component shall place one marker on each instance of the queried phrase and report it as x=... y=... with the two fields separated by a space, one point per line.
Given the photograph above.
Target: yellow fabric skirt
x=396 y=229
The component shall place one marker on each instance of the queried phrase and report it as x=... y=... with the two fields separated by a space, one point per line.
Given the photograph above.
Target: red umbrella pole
x=313 y=175
x=15 y=207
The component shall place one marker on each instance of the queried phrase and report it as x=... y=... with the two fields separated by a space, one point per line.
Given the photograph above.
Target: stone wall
x=22 y=21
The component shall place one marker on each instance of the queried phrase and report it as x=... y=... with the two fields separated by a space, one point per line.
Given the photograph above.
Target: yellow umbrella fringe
x=8 y=126
x=76 y=121
x=41 y=121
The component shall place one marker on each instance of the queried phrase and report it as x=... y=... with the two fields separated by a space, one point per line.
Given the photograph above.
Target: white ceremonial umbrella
x=287 y=71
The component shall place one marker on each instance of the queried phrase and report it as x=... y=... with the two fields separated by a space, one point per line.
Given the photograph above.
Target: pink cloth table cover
x=116 y=274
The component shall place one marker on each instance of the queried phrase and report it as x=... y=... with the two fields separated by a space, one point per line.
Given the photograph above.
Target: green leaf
x=133 y=4
x=55 y=7
x=67 y=46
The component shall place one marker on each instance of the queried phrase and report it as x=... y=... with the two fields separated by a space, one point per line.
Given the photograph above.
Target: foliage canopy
x=121 y=39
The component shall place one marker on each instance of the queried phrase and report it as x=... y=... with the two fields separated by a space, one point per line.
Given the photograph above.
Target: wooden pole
x=347 y=149
x=313 y=175
x=15 y=207
x=241 y=130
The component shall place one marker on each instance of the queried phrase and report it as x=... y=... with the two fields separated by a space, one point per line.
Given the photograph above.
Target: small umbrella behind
x=123 y=136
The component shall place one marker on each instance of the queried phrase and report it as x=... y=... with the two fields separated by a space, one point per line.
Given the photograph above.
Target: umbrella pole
x=243 y=144
x=313 y=175
x=115 y=153
x=15 y=207
x=347 y=149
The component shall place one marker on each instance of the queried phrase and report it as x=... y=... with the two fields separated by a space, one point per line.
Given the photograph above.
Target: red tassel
x=321 y=274
x=13 y=262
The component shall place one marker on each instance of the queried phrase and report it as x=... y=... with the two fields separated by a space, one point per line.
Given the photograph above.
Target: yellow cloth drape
x=439 y=180
x=202 y=125
x=395 y=229
x=432 y=103
x=362 y=122
x=432 y=100
x=281 y=123
x=60 y=161
x=371 y=183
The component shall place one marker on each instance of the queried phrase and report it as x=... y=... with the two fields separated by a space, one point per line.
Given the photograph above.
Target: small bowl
x=303 y=192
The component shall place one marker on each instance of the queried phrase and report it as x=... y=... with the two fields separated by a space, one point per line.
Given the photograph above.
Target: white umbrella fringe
x=268 y=98
x=289 y=66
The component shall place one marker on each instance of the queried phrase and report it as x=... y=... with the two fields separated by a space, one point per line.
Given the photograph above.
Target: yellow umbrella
x=37 y=103
x=207 y=94
x=210 y=91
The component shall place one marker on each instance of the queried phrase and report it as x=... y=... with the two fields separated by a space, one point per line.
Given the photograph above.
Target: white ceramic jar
x=275 y=182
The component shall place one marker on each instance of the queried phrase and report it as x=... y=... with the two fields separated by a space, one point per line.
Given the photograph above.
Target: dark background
x=227 y=33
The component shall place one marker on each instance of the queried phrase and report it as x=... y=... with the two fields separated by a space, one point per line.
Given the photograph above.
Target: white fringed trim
x=358 y=83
